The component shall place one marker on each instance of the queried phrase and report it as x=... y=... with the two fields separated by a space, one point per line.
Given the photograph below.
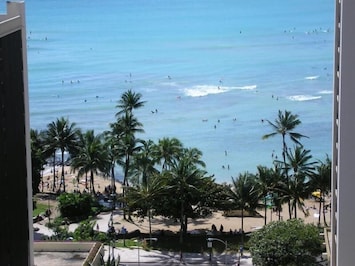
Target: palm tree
x=302 y=165
x=128 y=102
x=166 y=151
x=295 y=192
x=265 y=180
x=49 y=150
x=299 y=161
x=284 y=125
x=321 y=180
x=64 y=136
x=194 y=155
x=127 y=146
x=92 y=157
x=37 y=158
x=111 y=144
x=143 y=163
x=126 y=126
x=143 y=196
x=125 y=129
x=244 y=195
x=279 y=180
x=185 y=181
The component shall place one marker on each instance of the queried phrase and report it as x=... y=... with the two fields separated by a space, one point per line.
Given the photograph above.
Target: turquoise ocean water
x=212 y=69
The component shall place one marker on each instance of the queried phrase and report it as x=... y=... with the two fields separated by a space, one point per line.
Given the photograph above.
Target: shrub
x=76 y=206
x=286 y=243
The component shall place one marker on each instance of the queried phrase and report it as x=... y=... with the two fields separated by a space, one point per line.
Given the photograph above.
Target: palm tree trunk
x=295 y=211
x=242 y=226
x=92 y=182
x=42 y=179
x=284 y=151
x=54 y=186
x=181 y=222
x=320 y=206
x=265 y=210
x=125 y=182
x=150 y=225
x=62 y=182
x=113 y=183
x=185 y=224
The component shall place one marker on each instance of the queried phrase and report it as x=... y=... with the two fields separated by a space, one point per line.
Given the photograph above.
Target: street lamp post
x=111 y=235
x=210 y=239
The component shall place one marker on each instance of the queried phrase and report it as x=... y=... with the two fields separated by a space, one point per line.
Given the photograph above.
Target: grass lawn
x=40 y=208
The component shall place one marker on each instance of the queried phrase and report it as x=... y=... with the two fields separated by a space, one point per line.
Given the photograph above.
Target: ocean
x=210 y=71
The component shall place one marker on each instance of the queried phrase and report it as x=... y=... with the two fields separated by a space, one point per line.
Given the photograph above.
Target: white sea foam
x=311 y=77
x=302 y=98
x=326 y=92
x=204 y=90
x=248 y=87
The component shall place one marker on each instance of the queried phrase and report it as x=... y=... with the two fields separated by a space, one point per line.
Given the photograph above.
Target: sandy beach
x=161 y=223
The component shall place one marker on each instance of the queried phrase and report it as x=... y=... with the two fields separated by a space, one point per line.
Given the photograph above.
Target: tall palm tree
x=128 y=144
x=64 y=136
x=194 y=155
x=142 y=197
x=279 y=180
x=166 y=151
x=321 y=180
x=284 y=125
x=302 y=165
x=143 y=163
x=295 y=191
x=38 y=159
x=244 y=195
x=123 y=140
x=265 y=180
x=300 y=161
x=92 y=157
x=129 y=101
x=49 y=150
x=111 y=144
x=124 y=130
x=185 y=181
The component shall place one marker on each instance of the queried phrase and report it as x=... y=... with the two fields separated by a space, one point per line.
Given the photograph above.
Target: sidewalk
x=135 y=255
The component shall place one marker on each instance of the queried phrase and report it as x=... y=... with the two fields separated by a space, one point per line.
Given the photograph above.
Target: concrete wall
x=95 y=250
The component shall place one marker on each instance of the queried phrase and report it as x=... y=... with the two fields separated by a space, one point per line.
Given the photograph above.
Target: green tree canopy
x=76 y=206
x=284 y=125
x=62 y=135
x=37 y=159
x=286 y=243
x=92 y=157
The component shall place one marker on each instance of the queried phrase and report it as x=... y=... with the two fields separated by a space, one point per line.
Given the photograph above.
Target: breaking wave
x=204 y=90
x=302 y=98
x=311 y=77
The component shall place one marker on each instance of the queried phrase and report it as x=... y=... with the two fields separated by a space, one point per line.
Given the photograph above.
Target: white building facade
x=343 y=157
x=16 y=234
